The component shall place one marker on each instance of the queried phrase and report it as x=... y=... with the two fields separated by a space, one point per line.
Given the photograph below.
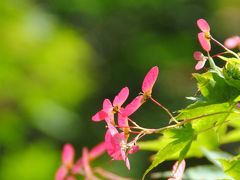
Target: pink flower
x=204 y=36
x=147 y=85
x=118 y=148
x=68 y=155
x=178 y=170
x=95 y=152
x=232 y=42
x=133 y=106
x=149 y=81
x=200 y=58
x=67 y=162
x=88 y=174
x=109 y=109
x=61 y=173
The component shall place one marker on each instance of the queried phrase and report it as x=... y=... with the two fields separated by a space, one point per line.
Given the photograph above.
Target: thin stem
x=165 y=109
x=187 y=121
x=134 y=127
x=220 y=44
x=134 y=132
x=135 y=123
x=219 y=54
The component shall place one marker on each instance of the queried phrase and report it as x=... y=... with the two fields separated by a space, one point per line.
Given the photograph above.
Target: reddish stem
x=228 y=50
x=164 y=108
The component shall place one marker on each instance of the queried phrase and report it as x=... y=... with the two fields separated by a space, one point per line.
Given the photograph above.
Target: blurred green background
x=60 y=58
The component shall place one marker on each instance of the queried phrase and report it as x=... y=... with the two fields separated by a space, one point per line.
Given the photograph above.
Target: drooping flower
x=204 y=36
x=200 y=58
x=232 y=42
x=109 y=109
x=178 y=170
x=117 y=147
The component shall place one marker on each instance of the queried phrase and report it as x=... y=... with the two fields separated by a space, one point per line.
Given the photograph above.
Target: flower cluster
x=122 y=133
x=117 y=143
x=204 y=38
x=70 y=169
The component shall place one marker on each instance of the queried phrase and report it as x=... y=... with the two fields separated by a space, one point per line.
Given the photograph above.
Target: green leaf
x=154 y=145
x=205 y=116
x=162 y=155
x=229 y=59
x=231 y=167
x=232 y=136
x=184 y=151
x=214 y=88
x=231 y=73
x=205 y=82
x=182 y=137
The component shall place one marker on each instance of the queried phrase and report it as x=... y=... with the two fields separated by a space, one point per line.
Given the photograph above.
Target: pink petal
x=133 y=106
x=200 y=65
x=203 y=25
x=85 y=159
x=205 y=43
x=133 y=149
x=127 y=163
x=99 y=116
x=97 y=151
x=149 y=80
x=110 y=118
x=121 y=97
x=232 y=42
x=68 y=155
x=198 y=56
x=61 y=173
x=86 y=165
x=122 y=120
x=125 y=158
x=178 y=170
x=112 y=143
x=112 y=129
x=77 y=166
x=107 y=105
